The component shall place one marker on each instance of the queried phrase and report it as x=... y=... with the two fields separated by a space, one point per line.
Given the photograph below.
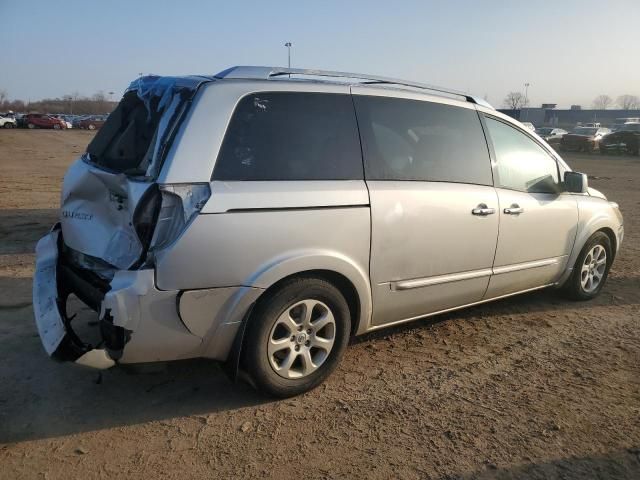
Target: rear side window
x=417 y=140
x=291 y=136
x=521 y=164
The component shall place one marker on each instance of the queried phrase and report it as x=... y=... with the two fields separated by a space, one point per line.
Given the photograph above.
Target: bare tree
x=515 y=100
x=602 y=102
x=628 y=102
x=4 y=97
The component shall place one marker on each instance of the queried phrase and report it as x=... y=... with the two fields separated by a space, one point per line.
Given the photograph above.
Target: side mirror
x=575 y=182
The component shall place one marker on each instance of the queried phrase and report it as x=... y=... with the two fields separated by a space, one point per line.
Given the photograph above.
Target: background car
x=583 y=139
x=619 y=123
x=551 y=135
x=7 y=122
x=626 y=139
x=529 y=125
x=21 y=120
x=93 y=122
x=64 y=119
x=39 y=120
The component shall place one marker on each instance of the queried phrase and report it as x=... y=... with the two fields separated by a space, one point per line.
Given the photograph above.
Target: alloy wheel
x=301 y=339
x=593 y=268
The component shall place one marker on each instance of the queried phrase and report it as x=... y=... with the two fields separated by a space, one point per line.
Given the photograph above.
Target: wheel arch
x=338 y=280
x=595 y=222
x=343 y=272
x=608 y=231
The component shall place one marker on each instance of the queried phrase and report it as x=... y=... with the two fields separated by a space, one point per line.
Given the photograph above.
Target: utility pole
x=526 y=99
x=288 y=45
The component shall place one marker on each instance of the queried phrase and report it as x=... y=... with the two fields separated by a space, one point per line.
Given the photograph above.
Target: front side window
x=418 y=140
x=291 y=136
x=521 y=164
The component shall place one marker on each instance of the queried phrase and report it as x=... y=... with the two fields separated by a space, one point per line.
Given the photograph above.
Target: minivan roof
x=285 y=74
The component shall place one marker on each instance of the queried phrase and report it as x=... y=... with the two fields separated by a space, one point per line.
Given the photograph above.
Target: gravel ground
x=531 y=387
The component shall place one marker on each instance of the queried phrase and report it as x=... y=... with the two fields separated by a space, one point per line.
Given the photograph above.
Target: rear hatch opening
x=113 y=211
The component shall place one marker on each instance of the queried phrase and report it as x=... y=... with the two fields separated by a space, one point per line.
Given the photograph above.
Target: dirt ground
x=531 y=387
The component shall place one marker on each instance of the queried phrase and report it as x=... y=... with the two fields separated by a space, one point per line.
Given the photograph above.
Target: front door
x=434 y=211
x=538 y=222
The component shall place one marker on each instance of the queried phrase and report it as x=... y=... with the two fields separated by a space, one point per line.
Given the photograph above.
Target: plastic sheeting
x=165 y=95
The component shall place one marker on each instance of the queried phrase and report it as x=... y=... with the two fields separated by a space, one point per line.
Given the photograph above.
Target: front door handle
x=514 y=209
x=482 y=210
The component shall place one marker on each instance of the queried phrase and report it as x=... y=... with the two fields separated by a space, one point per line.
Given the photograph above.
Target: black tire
x=574 y=288
x=8 y=125
x=256 y=361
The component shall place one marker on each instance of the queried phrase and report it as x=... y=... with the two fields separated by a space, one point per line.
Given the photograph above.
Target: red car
x=92 y=123
x=38 y=120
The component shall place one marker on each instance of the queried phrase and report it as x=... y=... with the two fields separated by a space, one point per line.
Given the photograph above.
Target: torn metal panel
x=97 y=214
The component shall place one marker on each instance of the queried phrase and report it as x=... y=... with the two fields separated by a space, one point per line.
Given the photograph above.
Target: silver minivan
x=262 y=216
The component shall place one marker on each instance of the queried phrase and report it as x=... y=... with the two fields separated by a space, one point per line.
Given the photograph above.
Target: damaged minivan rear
x=114 y=217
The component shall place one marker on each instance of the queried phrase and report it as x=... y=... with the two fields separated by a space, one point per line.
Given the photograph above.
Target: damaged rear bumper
x=138 y=323
x=57 y=337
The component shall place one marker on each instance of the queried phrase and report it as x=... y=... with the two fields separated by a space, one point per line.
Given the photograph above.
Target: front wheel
x=591 y=268
x=8 y=125
x=296 y=337
x=91 y=126
x=56 y=127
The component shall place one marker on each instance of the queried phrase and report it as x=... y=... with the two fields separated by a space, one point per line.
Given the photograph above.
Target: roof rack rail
x=266 y=73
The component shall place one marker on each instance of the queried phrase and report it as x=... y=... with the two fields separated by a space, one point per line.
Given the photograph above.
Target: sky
x=569 y=51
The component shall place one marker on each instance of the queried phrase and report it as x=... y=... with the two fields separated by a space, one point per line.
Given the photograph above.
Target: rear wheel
x=56 y=127
x=296 y=337
x=31 y=126
x=91 y=126
x=8 y=125
x=591 y=269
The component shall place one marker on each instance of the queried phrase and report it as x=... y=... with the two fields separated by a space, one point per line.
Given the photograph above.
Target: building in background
x=549 y=116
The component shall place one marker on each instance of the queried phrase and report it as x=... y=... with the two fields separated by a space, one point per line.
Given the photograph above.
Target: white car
x=8 y=122
x=529 y=125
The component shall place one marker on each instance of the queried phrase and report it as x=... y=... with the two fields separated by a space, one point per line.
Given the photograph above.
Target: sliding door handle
x=482 y=210
x=514 y=209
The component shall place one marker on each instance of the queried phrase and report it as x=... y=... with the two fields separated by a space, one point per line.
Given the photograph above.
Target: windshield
x=585 y=131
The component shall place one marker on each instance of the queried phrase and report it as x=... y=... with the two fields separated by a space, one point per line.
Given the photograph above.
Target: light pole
x=526 y=99
x=288 y=45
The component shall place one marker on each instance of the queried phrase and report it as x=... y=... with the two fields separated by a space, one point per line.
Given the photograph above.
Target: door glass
x=418 y=140
x=521 y=164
